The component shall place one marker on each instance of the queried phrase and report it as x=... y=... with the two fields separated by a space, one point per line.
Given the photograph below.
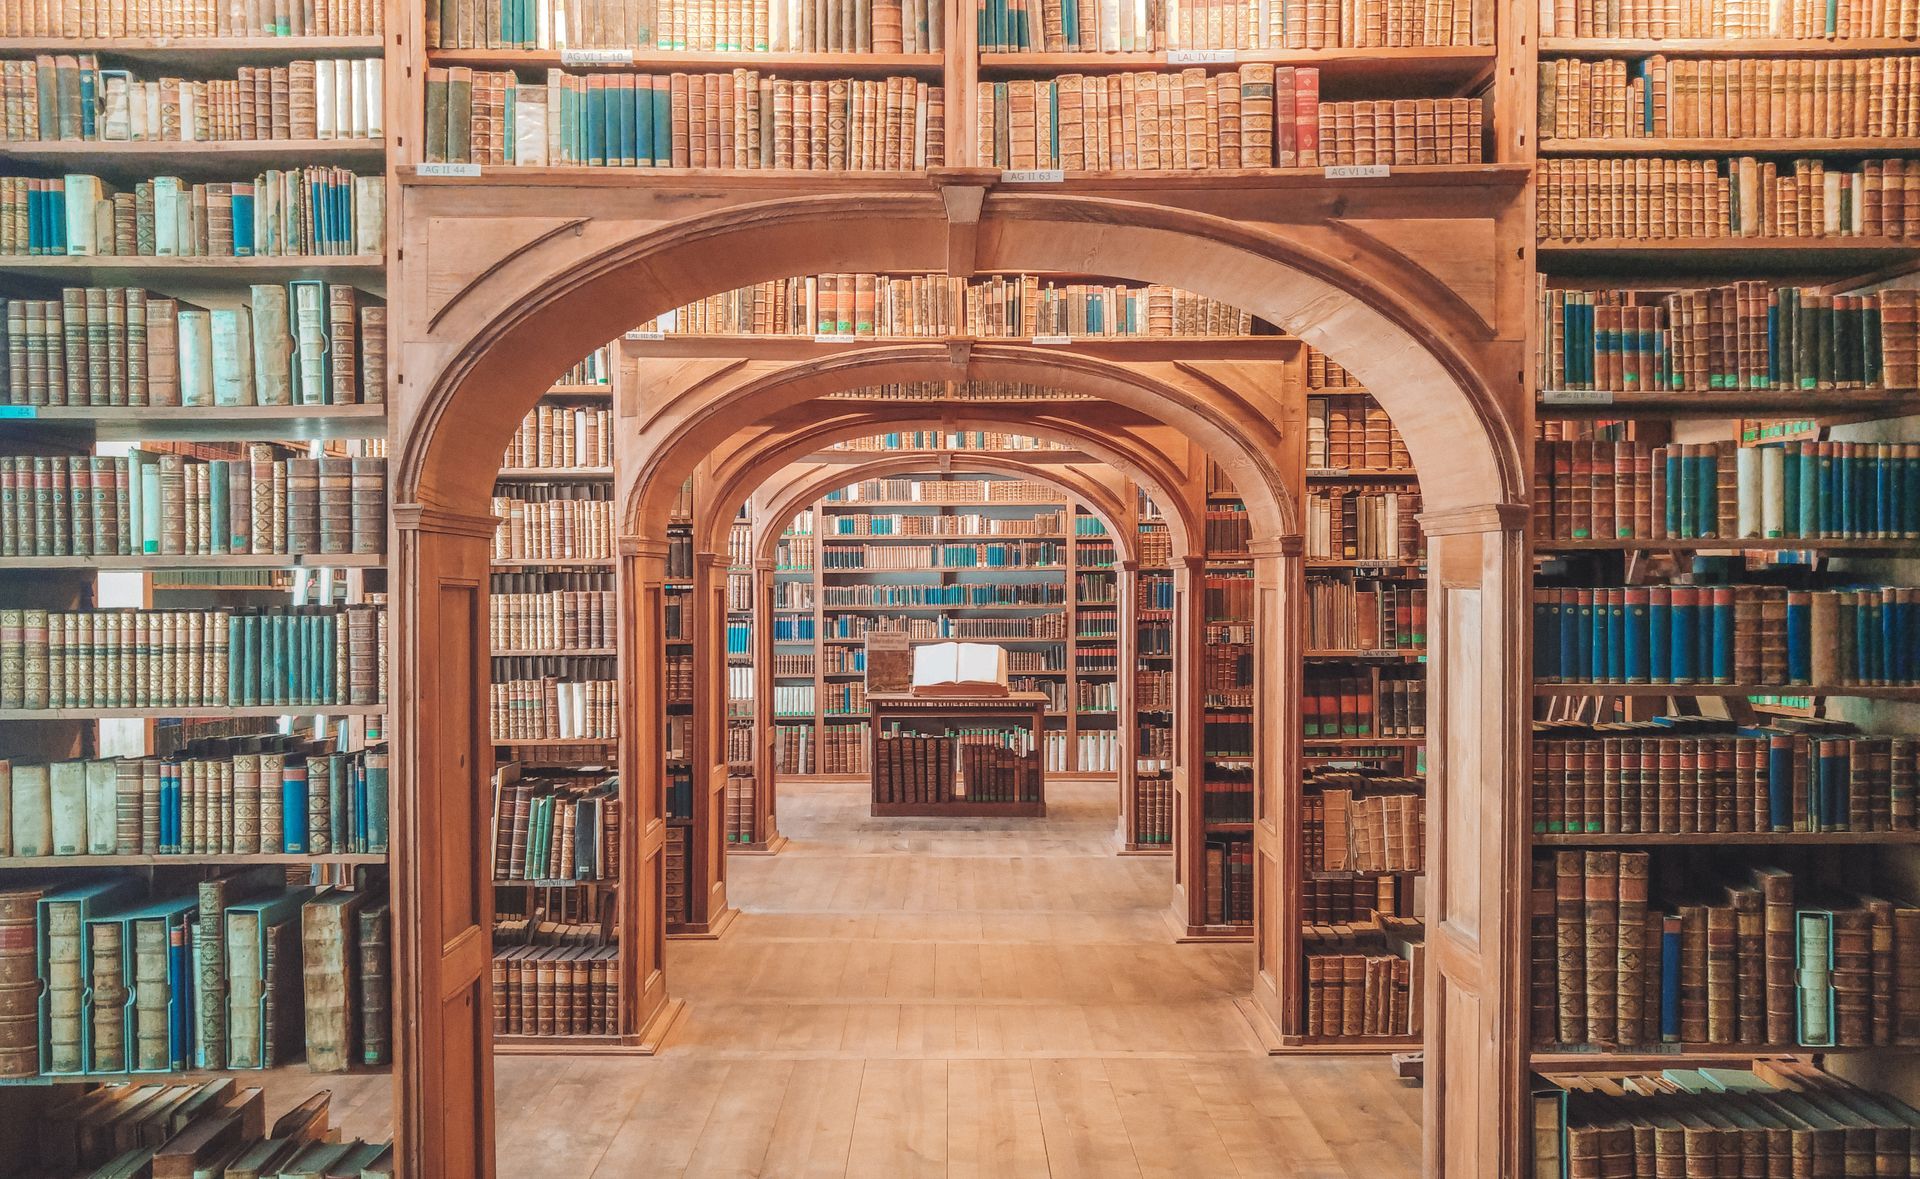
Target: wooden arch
x=1221 y=407
x=1405 y=281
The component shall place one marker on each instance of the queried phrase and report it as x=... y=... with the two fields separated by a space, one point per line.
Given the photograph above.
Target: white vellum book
x=960 y=669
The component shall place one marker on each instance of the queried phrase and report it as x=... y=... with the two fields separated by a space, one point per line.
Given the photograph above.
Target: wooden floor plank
x=960 y=998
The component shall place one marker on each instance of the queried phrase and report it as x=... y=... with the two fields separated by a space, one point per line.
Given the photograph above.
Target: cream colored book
x=960 y=669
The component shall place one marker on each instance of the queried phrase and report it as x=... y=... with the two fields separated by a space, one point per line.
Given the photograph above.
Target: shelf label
x=1033 y=176
x=1357 y=171
x=1053 y=340
x=834 y=338
x=637 y=334
x=18 y=411
x=596 y=57
x=469 y=171
x=1576 y=397
x=1200 y=57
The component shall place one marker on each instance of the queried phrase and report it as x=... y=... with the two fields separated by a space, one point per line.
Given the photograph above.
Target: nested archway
x=791 y=485
x=1399 y=283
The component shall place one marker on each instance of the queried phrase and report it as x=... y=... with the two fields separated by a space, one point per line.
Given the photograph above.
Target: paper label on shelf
x=1033 y=176
x=1576 y=397
x=470 y=171
x=1357 y=171
x=637 y=334
x=18 y=411
x=596 y=57
x=1056 y=340
x=834 y=338
x=1200 y=57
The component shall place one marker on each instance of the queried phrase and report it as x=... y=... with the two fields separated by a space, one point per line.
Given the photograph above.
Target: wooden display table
x=935 y=770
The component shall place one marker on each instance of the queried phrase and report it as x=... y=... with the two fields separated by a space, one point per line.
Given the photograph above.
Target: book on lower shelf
x=242 y=972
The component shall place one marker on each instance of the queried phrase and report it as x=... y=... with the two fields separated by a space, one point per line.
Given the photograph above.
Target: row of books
x=552 y=529
x=240 y=973
x=1351 y=706
x=1354 y=995
x=69 y=97
x=305 y=212
x=678 y=682
x=700 y=26
x=1008 y=306
x=1726 y=634
x=562 y=436
x=799 y=628
x=1686 y=776
x=848 y=699
x=740 y=825
x=1348 y=433
x=1336 y=903
x=303 y=343
x=1360 y=522
x=1226 y=795
x=145 y=504
x=1324 y=373
x=1741 y=97
x=190 y=18
x=1024 y=593
x=1094 y=658
x=223 y=796
x=1749 y=335
x=128 y=658
x=1153 y=810
x=1715 y=955
x=547 y=709
x=946 y=440
x=798 y=595
x=741 y=120
x=1060 y=26
x=1259 y=116
x=1654 y=198
x=1227 y=596
x=963 y=524
x=555 y=828
x=1096 y=696
x=793 y=700
x=555 y=620
x=216 y=1126
x=793 y=751
x=1228 y=880
x=1808 y=20
x=742 y=741
x=954 y=491
x=556 y=990
x=1626 y=489
x=1351 y=828
x=1775 y=1117
x=1228 y=531
x=1362 y=615
x=1035 y=554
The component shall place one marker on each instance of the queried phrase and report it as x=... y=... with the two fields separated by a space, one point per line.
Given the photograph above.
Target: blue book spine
x=293 y=813
x=662 y=124
x=1676 y=498
x=1569 y=653
x=1616 y=669
x=1670 y=982
x=1790 y=489
x=1706 y=490
x=1659 y=635
x=1636 y=637
x=1686 y=629
x=1585 y=664
x=643 y=149
x=1780 y=783
x=1799 y=638
x=1722 y=638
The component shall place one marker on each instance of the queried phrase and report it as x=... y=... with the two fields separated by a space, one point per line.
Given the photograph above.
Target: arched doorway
x=1422 y=314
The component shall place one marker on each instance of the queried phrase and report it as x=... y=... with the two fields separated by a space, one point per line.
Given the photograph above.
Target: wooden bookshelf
x=353 y=849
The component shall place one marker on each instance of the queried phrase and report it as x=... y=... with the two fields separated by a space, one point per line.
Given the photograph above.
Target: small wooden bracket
x=962 y=201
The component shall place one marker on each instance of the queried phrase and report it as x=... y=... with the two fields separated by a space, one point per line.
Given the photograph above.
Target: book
x=732 y=121
x=62 y=97
x=331 y=991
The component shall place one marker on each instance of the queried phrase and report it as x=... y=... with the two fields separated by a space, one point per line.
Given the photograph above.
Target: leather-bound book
x=1601 y=914
x=1570 y=946
x=331 y=980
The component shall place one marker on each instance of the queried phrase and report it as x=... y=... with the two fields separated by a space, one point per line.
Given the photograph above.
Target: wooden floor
x=948 y=997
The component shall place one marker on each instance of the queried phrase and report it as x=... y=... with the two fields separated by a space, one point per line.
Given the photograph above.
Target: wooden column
x=1128 y=726
x=766 y=809
x=1476 y=1113
x=1189 y=730
x=442 y=894
x=1279 y=584
x=707 y=912
x=646 y=1009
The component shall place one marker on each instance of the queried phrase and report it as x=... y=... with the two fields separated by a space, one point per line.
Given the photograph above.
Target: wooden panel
x=1458 y=894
